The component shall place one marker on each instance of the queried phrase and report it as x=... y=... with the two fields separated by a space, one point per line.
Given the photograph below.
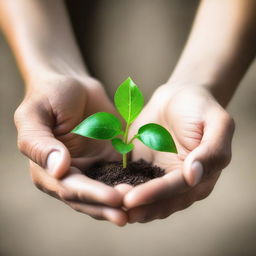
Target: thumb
x=213 y=153
x=37 y=142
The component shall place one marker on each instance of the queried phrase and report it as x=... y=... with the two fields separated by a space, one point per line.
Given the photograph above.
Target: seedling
x=129 y=102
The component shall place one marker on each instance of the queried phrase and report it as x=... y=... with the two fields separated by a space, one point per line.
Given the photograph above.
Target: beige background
x=146 y=47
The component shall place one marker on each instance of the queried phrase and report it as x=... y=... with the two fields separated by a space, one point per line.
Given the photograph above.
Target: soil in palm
x=113 y=173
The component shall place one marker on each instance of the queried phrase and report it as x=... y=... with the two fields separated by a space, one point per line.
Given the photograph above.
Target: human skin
x=192 y=106
x=60 y=93
x=202 y=131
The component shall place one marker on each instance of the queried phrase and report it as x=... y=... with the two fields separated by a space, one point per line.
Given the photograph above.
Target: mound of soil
x=113 y=173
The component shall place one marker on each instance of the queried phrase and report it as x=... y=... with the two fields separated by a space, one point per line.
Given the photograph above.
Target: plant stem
x=126 y=133
x=124 y=160
x=125 y=139
x=132 y=139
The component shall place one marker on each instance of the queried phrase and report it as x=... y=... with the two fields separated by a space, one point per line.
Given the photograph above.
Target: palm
x=182 y=116
x=54 y=109
x=183 y=113
x=73 y=105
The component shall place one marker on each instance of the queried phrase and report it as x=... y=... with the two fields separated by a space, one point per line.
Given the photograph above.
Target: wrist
x=34 y=70
x=48 y=79
x=176 y=85
x=215 y=76
x=187 y=74
x=214 y=87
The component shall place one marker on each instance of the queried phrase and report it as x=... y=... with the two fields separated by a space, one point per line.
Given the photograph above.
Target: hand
x=202 y=131
x=50 y=110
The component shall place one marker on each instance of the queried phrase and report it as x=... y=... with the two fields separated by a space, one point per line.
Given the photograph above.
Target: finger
x=123 y=189
x=75 y=187
x=83 y=189
x=36 y=140
x=214 y=151
x=164 y=208
x=44 y=181
x=54 y=188
x=160 y=209
x=147 y=213
x=170 y=184
x=116 y=216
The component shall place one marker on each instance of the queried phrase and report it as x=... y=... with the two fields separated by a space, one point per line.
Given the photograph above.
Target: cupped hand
x=202 y=131
x=49 y=111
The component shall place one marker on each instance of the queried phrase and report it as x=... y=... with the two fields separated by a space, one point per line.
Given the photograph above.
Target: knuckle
x=65 y=195
x=76 y=208
x=16 y=116
x=99 y=215
x=32 y=148
x=96 y=213
x=81 y=197
x=22 y=144
x=20 y=114
x=217 y=161
x=229 y=121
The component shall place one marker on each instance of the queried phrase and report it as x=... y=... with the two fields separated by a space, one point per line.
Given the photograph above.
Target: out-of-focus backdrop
x=142 y=39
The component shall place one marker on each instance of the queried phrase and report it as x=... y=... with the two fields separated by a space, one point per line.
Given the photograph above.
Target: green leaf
x=122 y=147
x=101 y=126
x=156 y=137
x=129 y=100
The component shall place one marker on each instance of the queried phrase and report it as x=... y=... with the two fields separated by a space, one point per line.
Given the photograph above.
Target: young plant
x=129 y=102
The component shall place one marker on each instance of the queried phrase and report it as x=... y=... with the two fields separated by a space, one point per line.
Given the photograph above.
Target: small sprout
x=129 y=102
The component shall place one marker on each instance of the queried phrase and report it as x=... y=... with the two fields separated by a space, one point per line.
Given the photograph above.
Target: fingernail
x=52 y=162
x=196 y=172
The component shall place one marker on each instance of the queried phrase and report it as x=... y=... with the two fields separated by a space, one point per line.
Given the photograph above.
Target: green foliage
x=156 y=137
x=129 y=102
x=122 y=147
x=100 y=126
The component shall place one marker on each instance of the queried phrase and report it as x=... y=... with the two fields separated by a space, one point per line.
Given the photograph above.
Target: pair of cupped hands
x=201 y=128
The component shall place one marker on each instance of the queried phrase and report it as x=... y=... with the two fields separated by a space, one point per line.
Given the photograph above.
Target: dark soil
x=113 y=173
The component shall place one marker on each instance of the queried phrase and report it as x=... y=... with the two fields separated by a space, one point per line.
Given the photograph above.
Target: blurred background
x=145 y=47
